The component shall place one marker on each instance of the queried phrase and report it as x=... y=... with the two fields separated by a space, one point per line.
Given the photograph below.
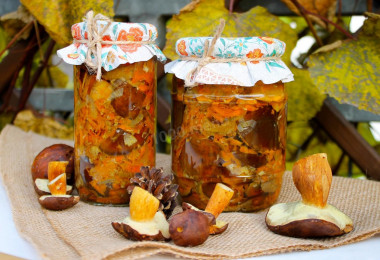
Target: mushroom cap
x=58 y=202
x=189 y=228
x=156 y=229
x=297 y=219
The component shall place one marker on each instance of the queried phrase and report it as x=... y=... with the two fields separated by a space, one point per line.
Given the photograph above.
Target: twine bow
x=207 y=56
x=95 y=41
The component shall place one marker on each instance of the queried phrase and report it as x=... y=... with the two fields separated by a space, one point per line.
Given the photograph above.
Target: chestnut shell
x=56 y=152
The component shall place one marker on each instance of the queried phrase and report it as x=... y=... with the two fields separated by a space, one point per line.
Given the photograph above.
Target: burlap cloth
x=85 y=231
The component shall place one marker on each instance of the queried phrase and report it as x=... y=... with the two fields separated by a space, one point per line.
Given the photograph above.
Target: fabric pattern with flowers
x=115 y=54
x=134 y=34
x=182 y=48
x=256 y=53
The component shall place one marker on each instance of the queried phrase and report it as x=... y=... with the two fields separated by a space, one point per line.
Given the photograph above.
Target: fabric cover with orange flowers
x=242 y=73
x=115 y=54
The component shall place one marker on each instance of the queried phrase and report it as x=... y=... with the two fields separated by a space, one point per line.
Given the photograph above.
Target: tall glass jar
x=115 y=112
x=228 y=133
x=115 y=123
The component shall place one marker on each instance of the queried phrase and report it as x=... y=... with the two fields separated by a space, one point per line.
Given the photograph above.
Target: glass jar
x=228 y=126
x=115 y=123
x=230 y=134
x=115 y=105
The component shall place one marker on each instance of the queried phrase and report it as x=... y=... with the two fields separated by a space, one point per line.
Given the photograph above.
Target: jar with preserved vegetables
x=114 y=113
x=229 y=120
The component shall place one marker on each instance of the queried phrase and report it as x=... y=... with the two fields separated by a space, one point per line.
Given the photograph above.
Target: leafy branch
x=304 y=12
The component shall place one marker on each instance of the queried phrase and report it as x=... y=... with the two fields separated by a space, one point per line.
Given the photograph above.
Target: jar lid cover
x=139 y=39
x=228 y=48
x=234 y=61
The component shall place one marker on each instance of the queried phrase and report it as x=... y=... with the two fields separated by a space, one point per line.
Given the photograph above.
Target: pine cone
x=161 y=187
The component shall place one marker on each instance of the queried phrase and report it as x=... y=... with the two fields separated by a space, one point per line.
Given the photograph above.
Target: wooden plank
x=348 y=138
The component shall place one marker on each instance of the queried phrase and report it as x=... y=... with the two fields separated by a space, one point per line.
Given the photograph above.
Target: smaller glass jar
x=115 y=112
x=229 y=127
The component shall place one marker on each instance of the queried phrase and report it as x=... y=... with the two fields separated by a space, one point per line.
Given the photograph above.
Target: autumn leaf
x=351 y=73
x=13 y=22
x=305 y=99
x=47 y=126
x=57 y=16
x=59 y=78
x=326 y=8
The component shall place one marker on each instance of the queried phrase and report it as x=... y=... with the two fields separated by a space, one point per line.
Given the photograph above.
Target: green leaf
x=298 y=133
x=305 y=100
x=57 y=16
x=59 y=78
x=351 y=73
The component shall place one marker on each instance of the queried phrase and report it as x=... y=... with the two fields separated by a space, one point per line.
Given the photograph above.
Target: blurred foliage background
x=339 y=63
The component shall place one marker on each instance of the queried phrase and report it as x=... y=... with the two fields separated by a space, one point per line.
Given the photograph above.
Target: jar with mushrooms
x=229 y=120
x=115 y=108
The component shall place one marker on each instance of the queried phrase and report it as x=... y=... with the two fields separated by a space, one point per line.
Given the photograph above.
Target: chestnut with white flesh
x=144 y=223
x=311 y=217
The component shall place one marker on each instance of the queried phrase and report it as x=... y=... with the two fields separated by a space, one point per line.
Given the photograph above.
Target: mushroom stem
x=58 y=185
x=312 y=176
x=220 y=198
x=143 y=205
x=56 y=168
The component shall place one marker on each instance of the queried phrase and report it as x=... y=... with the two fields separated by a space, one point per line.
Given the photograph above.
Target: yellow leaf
x=305 y=99
x=59 y=78
x=57 y=16
x=351 y=73
x=27 y=121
